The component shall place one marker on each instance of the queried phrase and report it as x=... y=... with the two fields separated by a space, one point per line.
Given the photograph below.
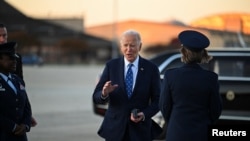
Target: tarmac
x=61 y=99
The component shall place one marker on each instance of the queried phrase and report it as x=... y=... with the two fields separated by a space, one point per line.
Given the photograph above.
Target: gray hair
x=132 y=32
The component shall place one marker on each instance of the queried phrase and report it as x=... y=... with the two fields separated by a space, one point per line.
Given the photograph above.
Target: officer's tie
x=129 y=80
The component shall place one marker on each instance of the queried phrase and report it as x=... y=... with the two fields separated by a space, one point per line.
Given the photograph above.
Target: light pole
x=114 y=40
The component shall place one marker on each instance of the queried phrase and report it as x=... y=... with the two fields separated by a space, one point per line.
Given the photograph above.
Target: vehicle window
x=174 y=64
x=226 y=66
x=159 y=59
x=231 y=66
x=177 y=63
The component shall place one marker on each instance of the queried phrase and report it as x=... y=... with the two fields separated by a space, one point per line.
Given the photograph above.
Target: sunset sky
x=96 y=12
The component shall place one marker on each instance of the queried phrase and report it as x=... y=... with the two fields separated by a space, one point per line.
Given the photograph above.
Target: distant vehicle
x=233 y=69
x=32 y=59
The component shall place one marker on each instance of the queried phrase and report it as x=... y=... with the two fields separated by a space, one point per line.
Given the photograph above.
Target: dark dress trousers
x=14 y=109
x=117 y=125
x=189 y=102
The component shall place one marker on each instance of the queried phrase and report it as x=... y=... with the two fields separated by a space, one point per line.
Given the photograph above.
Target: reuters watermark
x=231 y=133
x=241 y=132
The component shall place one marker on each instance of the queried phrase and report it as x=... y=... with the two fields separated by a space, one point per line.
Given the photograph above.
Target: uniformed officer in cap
x=19 y=64
x=190 y=99
x=15 y=111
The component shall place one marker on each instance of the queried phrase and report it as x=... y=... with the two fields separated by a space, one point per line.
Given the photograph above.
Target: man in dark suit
x=121 y=121
x=190 y=99
x=19 y=64
x=15 y=111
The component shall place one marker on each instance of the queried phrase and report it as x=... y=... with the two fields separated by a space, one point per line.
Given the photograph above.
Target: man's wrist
x=143 y=117
x=27 y=128
x=104 y=97
x=14 y=128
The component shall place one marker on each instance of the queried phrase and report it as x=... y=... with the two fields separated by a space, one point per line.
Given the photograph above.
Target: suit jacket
x=14 y=109
x=189 y=102
x=145 y=97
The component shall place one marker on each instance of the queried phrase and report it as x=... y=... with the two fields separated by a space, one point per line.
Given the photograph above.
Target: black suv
x=233 y=68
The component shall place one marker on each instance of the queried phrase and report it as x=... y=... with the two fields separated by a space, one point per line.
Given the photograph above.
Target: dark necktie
x=129 y=80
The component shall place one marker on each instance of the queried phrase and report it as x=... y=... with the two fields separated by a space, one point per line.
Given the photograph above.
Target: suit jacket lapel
x=139 y=76
x=15 y=83
x=121 y=77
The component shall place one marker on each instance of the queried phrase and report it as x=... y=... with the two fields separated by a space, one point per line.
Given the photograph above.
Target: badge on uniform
x=1 y=87
x=22 y=87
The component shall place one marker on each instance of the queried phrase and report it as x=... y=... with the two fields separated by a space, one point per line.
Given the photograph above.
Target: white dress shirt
x=134 y=68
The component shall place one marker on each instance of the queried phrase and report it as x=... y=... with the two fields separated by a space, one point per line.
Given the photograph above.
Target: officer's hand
x=33 y=122
x=107 y=88
x=20 y=129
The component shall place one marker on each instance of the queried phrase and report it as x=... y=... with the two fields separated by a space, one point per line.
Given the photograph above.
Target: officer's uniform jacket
x=190 y=102
x=14 y=109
